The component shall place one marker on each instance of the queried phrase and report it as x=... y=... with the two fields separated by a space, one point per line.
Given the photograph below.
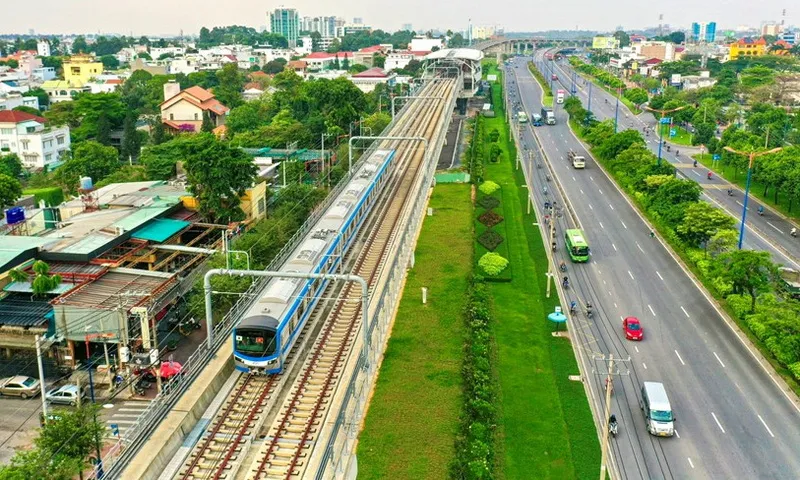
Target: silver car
x=65 y=395
x=19 y=386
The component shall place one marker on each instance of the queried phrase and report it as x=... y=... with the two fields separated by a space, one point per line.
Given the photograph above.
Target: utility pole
x=38 y=341
x=609 y=374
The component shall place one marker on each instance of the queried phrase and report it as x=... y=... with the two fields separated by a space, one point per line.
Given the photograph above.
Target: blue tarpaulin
x=160 y=229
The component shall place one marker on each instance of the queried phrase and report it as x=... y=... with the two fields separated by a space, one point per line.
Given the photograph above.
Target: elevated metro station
x=449 y=62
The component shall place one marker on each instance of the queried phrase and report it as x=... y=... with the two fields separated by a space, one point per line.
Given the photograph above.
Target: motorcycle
x=565 y=283
x=613 y=427
x=588 y=311
x=563 y=267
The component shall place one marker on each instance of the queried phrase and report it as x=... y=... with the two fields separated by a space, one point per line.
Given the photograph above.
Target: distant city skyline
x=151 y=17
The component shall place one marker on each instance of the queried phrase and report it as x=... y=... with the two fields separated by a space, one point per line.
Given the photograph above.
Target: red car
x=554 y=77
x=633 y=329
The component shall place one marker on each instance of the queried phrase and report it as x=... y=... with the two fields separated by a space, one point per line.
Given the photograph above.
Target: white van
x=658 y=415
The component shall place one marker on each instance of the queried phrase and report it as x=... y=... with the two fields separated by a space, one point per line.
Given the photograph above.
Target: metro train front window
x=256 y=343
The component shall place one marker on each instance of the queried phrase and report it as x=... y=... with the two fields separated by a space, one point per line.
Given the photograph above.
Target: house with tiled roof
x=368 y=79
x=323 y=60
x=37 y=145
x=747 y=47
x=183 y=110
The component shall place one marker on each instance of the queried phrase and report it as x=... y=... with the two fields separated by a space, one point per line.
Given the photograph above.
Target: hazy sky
x=164 y=16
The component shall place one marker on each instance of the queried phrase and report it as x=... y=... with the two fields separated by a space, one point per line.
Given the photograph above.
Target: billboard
x=605 y=43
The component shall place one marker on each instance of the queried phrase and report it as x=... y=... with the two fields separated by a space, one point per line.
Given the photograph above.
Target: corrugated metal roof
x=105 y=292
x=160 y=229
x=13 y=246
x=21 y=311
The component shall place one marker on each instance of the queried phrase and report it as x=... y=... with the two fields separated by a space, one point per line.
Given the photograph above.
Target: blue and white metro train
x=265 y=335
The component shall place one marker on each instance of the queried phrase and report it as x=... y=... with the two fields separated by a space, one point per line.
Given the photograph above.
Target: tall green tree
x=76 y=434
x=10 y=190
x=231 y=83
x=131 y=140
x=748 y=271
x=91 y=159
x=11 y=165
x=624 y=38
x=701 y=221
x=158 y=133
x=41 y=464
x=208 y=125
x=79 y=45
x=96 y=114
x=218 y=176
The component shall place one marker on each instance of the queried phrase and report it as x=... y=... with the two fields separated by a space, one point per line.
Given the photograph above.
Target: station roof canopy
x=456 y=54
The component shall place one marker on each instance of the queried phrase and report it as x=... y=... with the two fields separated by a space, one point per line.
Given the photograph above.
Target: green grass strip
x=546 y=429
x=413 y=418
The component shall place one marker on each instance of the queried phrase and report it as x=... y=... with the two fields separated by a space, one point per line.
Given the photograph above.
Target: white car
x=19 y=386
x=65 y=395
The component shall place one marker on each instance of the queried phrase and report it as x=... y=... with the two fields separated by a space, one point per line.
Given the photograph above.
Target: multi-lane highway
x=733 y=420
x=769 y=232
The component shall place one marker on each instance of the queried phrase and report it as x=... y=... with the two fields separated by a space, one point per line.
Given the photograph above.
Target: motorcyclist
x=563 y=266
x=588 y=309
x=730 y=192
x=573 y=307
x=793 y=232
x=695 y=163
x=554 y=247
x=565 y=282
x=709 y=175
x=677 y=152
x=761 y=210
x=612 y=419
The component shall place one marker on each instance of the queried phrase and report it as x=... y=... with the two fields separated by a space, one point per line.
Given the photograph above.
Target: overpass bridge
x=519 y=45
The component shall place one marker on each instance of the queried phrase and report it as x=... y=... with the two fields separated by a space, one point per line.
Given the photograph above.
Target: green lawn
x=756 y=188
x=546 y=429
x=682 y=137
x=410 y=429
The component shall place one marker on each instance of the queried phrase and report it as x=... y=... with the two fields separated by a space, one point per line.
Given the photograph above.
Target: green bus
x=577 y=247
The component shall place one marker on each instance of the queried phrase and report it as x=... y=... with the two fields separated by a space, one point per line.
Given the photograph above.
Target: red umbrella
x=170 y=369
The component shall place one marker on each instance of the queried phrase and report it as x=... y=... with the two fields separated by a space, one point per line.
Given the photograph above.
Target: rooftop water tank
x=15 y=215
x=86 y=183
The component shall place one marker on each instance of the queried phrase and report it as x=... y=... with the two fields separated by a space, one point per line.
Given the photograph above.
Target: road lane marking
x=590 y=207
x=611 y=206
x=601 y=192
x=637 y=349
x=591 y=178
x=574 y=179
x=659 y=276
x=679 y=357
x=685 y=312
x=623 y=224
x=718 y=359
x=640 y=247
x=651 y=310
x=718 y=424
x=776 y=228
x=697 y=173
x=615 y=247
x=765 y=426
x=601 y=225
x=615 y=305
x=644 y=365
x=604 y=282
x=690 y=462
x=581 y=191
x=676 y=433
x=630 y=274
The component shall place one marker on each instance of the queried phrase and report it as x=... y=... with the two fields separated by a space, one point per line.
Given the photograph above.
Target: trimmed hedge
x=493 y=263
x=52 y=196
x=488 y=202
x=490 y=219
x=475 y=441
x=489 y=187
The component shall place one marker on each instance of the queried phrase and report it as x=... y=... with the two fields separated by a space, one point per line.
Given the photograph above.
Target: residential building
x=483 y=32
x=781 y=47
x=704 y=32
x=325 y=26
x=693 y=82
x=637 y=38
x=252 y=91
x=10 y=101
x=63 y=91
x=28 y=62
x=401 y=59
x=285 y=21
x=351 y=28
x=299 y=66
x=771 y=28
x=790 y=37
x=421 y=44
x=323 y=60
x=82 y=68
x=184 y=65
x=605 y=43
x=184 y=110
x=36 y=145
x=661 y=50
x=107 y=85
x=43 y=48
x=151 y=67
x=367 y=80
x=156 y=52
x=747 y=47
x=43 y=74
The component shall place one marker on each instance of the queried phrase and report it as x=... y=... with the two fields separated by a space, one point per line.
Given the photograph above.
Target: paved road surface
x=769 y=232
x=732 y=419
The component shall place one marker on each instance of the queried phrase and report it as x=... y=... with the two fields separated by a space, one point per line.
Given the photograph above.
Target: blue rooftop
x=160 y=229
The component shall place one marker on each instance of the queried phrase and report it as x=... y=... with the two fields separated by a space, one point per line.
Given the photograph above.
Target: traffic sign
x=666 y=120
x=715 y=156
x=114 y=429
x=672 y=132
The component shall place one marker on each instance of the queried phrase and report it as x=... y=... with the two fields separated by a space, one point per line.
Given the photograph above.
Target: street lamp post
x=616 y=112
x=660 y=126
x=590 y=97
x=751 y=156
